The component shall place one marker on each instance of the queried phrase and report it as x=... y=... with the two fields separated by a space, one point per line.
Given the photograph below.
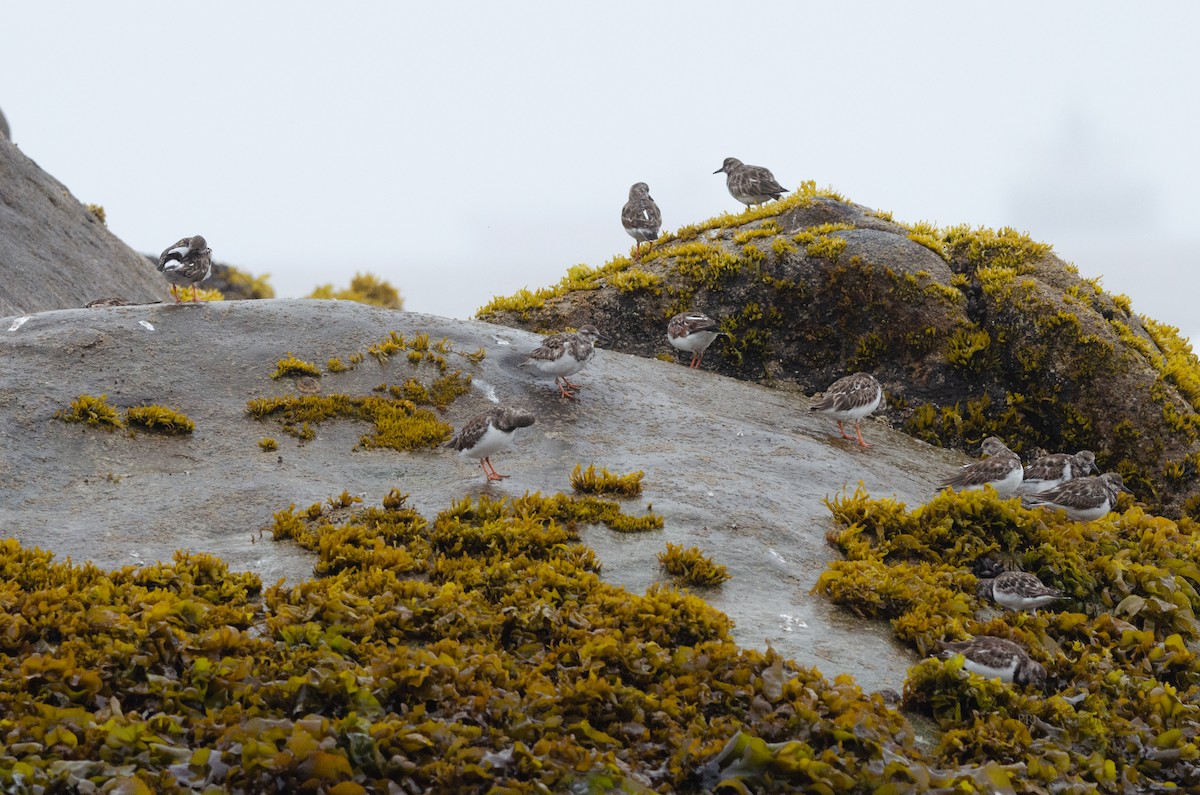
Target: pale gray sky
x=465 y=150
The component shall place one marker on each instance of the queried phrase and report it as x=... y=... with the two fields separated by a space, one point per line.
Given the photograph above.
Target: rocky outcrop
x=4 y=131
x=54 y=252
x=973 y=332
x=734 y=468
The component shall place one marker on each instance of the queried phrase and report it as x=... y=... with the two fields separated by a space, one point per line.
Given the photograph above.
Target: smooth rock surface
x=54 y=254
x=736 y=469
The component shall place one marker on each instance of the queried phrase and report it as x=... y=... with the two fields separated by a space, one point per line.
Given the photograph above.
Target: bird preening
x=189 y=261
x=641 y=218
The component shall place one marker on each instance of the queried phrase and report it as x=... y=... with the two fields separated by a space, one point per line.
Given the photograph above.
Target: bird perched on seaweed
x=1002 y=470
x=1017 y=590
x=994 y=658
x=1084 y=499
x=489 y=433
x=1051 y=471
x=561 y=355
x=749 y=184
x=189 y=261
x=692 y=332
x=851 y=397
x=641 y=218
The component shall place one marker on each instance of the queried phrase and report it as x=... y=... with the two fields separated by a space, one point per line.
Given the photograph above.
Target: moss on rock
x=973 y=331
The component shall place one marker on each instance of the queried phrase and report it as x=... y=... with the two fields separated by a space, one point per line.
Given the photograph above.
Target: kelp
x=1121 y=706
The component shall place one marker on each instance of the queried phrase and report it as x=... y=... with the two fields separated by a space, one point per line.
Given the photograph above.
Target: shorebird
x=996 y=658
x=489 y=433
x=750 y=184
x=1002 y=470
x=1084 y=499
x=1017 y=590
x=1051 y=471
x=187 y=262
x=692 y=332
x=852 y=397
x=641 y=218
x=561 y=355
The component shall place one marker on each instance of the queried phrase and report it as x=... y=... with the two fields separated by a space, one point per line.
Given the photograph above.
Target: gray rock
x=54 y=254
x=735 y=468
x=5 y=133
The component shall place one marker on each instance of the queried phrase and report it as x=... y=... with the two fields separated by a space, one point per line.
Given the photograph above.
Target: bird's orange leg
x=174 y=294
x=563 y=385
x=194 y=298
x=858 y=430
x=843 y=431
x=490 y=470
x=696 y=357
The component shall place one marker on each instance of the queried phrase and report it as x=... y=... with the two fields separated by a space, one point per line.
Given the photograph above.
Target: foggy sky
x=465 y=150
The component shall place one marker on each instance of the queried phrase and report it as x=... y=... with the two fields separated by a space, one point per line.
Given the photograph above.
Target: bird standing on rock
x=561 y=355
x=750 y=184
x=852 y=397
x=692 y=332
x=641 y=218
x=189 y=261
x=489 y=433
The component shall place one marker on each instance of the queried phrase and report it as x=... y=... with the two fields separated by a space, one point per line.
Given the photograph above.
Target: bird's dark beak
x=719 y=170
x=604 y=339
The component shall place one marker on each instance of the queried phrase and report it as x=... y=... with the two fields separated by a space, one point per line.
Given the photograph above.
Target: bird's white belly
x=564 y=365
x=1089 y=514
x=1036 y=486
x=1005 y=674
x=492 y=442
x=1014 y=602
x=693 y=343
x=642 y=234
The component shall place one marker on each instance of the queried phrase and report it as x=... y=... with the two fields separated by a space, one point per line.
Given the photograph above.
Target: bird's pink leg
x=194 y=298
x=490 y=470
x=843 y=431
x=696 y=357
x=562 y=387
x=858 y=430
x=174 y=294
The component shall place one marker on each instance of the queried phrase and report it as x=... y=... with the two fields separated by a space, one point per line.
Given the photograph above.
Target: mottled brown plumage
x=189 y=261
x=1017 y=590
x=1084 y=499
x=997 y=657
x=641 y=218
x=692 y=332
x=489 y=433
x=1051 y=471
x=749 y=184
x=564 y=354
x=1002 y=470
x=851 y=397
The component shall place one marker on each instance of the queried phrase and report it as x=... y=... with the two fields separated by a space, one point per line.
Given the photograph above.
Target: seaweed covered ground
x=1121 y=709
x=482 y=652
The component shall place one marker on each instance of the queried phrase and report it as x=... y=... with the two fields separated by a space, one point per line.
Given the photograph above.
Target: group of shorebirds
x=1059 y=481
x=564 y=355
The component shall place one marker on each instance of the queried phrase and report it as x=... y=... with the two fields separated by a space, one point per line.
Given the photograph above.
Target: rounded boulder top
x=4 y=132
